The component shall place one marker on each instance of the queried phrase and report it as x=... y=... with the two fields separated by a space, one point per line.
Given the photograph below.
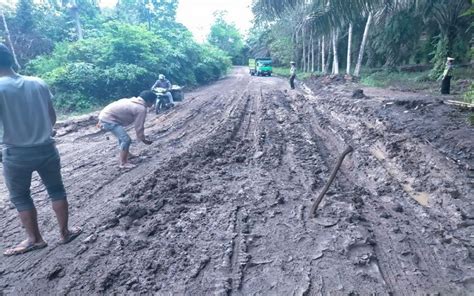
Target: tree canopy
x=395 y=31
x=91 y=56
x=227 y=37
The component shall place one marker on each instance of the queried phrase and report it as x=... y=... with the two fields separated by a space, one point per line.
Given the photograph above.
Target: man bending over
x=119 y=114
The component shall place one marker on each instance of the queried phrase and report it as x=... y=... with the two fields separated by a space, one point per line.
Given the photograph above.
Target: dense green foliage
x=400 y=32
x=121 y=61
x=92 y=56
x=227 y=37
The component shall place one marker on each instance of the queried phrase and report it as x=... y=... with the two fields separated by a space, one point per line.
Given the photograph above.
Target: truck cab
x=260 y=66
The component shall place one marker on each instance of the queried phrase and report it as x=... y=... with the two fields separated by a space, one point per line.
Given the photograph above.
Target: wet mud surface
x=219 y=204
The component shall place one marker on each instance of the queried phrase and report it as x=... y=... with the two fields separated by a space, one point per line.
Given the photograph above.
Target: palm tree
x=327 y=16
x=349 y=48
x=362 y=45
x=74 y=10
x=450 y=18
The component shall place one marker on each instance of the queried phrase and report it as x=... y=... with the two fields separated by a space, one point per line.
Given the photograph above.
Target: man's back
x=25 y=111
x=124 y=111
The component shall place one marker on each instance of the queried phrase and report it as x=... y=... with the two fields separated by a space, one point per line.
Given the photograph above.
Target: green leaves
x=123 y=60
x=403 y=30
x=227 y=37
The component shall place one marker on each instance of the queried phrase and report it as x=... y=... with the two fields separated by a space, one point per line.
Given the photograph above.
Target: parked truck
x=260 y=66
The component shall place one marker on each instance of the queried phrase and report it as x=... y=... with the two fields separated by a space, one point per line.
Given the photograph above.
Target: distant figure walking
x=119 y=114
x=28 y=117
x=292 y=75
x=446 y=78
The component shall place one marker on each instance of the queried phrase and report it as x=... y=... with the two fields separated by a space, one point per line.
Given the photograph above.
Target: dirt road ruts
x=219 y=203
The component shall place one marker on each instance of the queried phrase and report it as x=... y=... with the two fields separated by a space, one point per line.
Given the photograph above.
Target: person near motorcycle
x=164 y=83
x=119 y=114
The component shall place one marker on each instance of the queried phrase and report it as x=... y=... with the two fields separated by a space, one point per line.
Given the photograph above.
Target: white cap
x=450 y=59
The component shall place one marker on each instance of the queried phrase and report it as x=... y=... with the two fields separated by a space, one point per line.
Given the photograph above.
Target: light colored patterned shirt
x=293 y=70
x=449 y=70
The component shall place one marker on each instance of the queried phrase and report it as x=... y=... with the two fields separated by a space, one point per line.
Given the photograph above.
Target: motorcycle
x=162 y=100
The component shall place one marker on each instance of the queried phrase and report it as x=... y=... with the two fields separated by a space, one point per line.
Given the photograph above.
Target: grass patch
x=390 y=79
x=416 y=81
x=285 y=72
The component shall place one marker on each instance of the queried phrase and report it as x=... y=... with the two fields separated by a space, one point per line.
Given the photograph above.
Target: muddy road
x=219 y=204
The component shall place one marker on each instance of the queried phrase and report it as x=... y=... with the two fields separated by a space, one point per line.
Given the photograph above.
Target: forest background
x=91 y=55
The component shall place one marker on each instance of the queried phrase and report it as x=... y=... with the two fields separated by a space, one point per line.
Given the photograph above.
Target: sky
x=197 y=15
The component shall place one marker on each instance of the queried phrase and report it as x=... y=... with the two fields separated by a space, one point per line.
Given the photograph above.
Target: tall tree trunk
x=349 y=48
x=318 y=62
x=318 y=56
x=308 y=56
x=335 y=63
x=362 y=45
x=312 y=52
x=304 y=50
x=323 y=56
x=329 y=57
x=75 y=14
x=7 y=33
x=294 y=39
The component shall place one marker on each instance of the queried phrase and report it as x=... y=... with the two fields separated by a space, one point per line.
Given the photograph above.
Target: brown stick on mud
x=314 y=208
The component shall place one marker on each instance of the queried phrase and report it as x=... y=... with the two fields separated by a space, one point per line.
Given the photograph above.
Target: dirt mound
x=359 y=94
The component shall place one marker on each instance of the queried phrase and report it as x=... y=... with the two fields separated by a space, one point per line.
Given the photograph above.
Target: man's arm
x=140 y=127
x=51 y=111
x=46 y=92
x=154 y=85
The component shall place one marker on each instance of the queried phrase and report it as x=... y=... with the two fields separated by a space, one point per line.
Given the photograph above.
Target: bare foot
x=24 y=247
x=127 y=166
x=71 y=235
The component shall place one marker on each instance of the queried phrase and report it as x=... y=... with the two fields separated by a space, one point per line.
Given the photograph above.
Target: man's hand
x=147 y=142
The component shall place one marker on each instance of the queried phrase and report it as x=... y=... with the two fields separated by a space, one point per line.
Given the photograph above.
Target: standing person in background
x=119 y=114
x=28 y=117
x=446 y=78
x=292 y=75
